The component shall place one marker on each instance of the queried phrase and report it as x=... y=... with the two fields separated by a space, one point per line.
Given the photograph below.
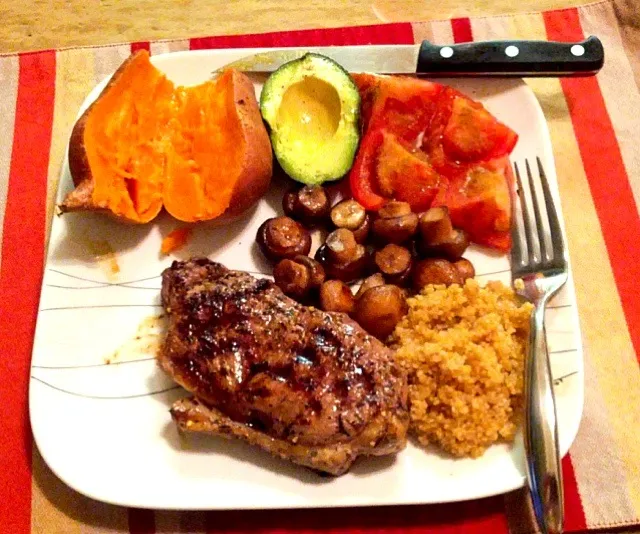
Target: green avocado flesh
x=312 y=108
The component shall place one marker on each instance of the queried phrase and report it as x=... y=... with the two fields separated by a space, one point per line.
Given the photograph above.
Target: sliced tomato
x=398 y=104
x=472 y=134
x=480 y=202
x=444 y=106
x=407 y=119
x=406 y=175
x=398 y=87
x=428 y=144
x=362 y=174
x=432 y=142
x=365 y=81
x=368 y=88
x=443 y=165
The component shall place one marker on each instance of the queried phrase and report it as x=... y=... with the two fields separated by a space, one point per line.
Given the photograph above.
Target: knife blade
x=483 y=58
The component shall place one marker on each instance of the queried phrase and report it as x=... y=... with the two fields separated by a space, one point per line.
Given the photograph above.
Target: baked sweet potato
x=200 y=151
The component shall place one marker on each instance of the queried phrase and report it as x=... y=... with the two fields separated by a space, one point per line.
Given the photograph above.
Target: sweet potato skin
x=256 y=167
x=78 y=161
x=81 y=198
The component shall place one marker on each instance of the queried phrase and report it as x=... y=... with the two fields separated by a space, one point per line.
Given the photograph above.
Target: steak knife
x=483 y=58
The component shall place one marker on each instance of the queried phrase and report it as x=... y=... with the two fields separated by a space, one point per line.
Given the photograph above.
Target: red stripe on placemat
x=141 y=521
x=574 y=517
x=472 y=517
x=140 y=45
x=461 y=30
x=398 y=33
x=608 y=180
x=20 y=279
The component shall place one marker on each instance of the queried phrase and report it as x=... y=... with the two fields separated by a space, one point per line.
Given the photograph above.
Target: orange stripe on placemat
x=140 y=45
x=461 y=30
x=472 y=517
x=608 y=180
x=398 y=33
x=141 y=521
x=20 y=278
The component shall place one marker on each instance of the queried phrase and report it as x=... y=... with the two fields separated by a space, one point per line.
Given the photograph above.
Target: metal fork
x=539 y=259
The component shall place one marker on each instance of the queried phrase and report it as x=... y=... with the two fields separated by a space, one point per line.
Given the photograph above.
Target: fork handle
x=544 y=474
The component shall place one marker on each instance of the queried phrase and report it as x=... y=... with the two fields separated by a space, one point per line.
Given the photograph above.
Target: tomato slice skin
x=361 y=175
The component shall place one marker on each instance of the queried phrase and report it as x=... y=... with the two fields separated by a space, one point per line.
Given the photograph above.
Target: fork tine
x=559 y=254
x=528 y=259
x=516 y=234
x=537 y=214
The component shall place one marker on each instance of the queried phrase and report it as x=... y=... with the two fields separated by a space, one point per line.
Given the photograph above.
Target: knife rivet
x=511 y=51
x=446 y=51
x=577 y=50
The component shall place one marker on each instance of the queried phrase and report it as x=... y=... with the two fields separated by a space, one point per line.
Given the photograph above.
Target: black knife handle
x=512 y=58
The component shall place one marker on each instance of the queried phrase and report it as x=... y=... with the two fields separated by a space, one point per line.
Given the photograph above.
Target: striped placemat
x=595 y=130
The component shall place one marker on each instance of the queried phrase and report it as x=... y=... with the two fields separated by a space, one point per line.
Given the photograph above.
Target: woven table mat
x=595 y=131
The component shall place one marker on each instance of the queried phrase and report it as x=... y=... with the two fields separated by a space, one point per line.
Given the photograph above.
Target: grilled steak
x=306 y=385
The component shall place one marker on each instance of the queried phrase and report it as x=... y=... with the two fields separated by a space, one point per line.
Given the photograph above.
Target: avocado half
x=312 y=108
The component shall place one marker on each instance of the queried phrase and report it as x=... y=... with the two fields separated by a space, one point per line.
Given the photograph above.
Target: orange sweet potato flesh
x=143 y=144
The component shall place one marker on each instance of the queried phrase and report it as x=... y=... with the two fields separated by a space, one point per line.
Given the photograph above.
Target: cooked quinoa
x=464 y=350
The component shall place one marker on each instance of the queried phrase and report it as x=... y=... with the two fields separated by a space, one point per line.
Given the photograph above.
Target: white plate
x=105 y=430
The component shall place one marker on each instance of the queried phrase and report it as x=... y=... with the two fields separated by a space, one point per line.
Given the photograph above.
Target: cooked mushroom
x=395 y=223
x=347 y=272
x=362 y=232
x=435 y=225
x=438 y=238
x=349 y=214
x=341 y=245
x=465 y=269
x=289 y=201
x=451 y=248
x=316 y=271
x=298 y=276
x=374 y=280
x=380 y=309
x=435 y=271
x=336 y=296
x=292 y=278
x=309 y=204
x=394 y=208
x=282 y=237
x=394 y=262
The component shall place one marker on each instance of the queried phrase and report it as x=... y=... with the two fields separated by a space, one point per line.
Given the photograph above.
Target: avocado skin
x=309 y=161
